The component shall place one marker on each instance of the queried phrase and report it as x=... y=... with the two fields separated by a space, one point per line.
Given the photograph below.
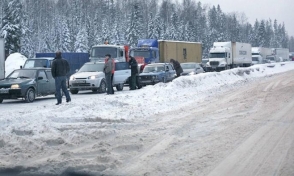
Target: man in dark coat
x=60 y=68
x=134 y=71
x=177 y=67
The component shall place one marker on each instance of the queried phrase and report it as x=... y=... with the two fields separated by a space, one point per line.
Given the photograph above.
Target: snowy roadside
x=38 y=130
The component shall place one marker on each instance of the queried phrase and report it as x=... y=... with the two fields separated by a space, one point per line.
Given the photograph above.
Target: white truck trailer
x=282 y=54
x=226 y=55
x=2 y=59
x=259 y=55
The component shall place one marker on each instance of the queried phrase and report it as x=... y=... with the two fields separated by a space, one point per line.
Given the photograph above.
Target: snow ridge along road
x=237 y=122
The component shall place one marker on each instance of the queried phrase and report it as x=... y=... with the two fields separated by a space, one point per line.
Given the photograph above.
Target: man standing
x=60 y=68
x=134 y=71
x=177 y=67
x=109 y=71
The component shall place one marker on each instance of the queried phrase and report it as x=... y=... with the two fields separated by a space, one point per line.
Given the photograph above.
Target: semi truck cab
x=219 y=58
x=118 y=52
x=148 y=49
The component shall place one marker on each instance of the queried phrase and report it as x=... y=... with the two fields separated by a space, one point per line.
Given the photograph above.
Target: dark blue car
x=155 y=73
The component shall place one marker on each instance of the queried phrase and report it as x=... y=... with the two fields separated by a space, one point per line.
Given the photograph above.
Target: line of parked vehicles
x=34 y=79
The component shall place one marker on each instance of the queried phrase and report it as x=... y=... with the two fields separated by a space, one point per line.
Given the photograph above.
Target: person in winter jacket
x=134 y=71
x=177 y=67
x=109 y=71
x=59 y=69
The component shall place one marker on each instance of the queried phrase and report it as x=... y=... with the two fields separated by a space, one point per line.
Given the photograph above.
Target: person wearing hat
x=109 y=71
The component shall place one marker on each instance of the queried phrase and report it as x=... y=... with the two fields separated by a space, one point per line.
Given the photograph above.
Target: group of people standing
x=60 y=68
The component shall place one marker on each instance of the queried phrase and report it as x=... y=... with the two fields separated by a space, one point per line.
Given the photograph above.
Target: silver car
x=191 y=68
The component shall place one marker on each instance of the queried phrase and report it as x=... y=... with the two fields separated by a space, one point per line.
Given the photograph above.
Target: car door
x=122 y=73
x=42 y=83
x=51 y=80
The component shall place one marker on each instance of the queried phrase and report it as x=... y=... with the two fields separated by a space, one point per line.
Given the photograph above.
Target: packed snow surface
x=36 y=128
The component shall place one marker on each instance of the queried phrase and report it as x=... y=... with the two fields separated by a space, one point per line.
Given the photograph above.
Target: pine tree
x=11 y=26
x=81 y=44
x=261 y=34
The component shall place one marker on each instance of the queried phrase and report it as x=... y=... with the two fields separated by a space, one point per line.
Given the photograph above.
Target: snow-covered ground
x=39 y=134
x=14 y=61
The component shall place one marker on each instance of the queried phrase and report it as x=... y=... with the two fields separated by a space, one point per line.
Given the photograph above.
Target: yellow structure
x=180 y=50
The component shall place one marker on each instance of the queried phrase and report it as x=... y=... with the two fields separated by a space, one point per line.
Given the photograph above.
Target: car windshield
x=271 y=58
x=217 y=55
x=158 y=68
x=30 y=74
x=102 y=51
x=188 y=66
x=140 y=53
x=254 y=58
x=35 y=63
x=92 y=67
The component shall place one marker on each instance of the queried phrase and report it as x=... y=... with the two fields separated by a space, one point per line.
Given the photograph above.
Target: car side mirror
x=40 y=78
x=77 y=70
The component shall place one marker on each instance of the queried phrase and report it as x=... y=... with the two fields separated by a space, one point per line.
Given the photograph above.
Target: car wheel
x=1 y=100
x=102 y=87
x=30 y=95
x=119 y=87
x=94 y=90
x=74 y=91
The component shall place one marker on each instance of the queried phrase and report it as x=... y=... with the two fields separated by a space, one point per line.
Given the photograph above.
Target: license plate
x=4 y=91
x=80 y=81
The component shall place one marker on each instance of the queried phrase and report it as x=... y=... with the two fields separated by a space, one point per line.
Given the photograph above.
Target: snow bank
x=14 y=61
x=29 y=130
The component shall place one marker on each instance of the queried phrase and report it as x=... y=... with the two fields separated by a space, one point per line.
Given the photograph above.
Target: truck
x=259 y=54
x=118 y=52
x=282 y=54
x=2 y=59
x=75 y=60
x=154 y=51
x=226 y=55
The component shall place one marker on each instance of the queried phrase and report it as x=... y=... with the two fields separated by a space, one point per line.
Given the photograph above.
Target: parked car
x=27 y=83
x=191 y=68
x=91 y=77
x=155 y=73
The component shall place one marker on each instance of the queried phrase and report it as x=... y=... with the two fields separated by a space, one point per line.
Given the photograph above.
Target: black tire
x=102 y=87
x=119 y=87
x=94 y=90
x=1 y=100
x=30 y=95
x=74 y=91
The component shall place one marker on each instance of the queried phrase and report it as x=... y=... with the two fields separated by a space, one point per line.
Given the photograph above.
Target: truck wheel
x=30 y=95
x=119 y=87
x=102 y=87
x=74 y=91
x=1 y=100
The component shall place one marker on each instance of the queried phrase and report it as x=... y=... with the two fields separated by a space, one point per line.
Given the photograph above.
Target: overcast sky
x=282 y=10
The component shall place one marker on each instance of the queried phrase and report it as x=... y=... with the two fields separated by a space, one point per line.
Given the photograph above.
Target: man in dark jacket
x=177 y=67
x=60 y=68
x=134 y=71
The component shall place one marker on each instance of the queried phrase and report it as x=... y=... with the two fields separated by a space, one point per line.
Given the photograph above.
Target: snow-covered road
x=237 y=122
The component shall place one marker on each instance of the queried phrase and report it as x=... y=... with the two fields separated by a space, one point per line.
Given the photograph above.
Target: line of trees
x=31 y=26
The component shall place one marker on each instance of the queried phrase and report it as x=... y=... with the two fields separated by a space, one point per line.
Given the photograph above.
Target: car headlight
x=72 y=78
x=14 y=86
x=92 y=77
x=192 y=73
x=154 y=77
